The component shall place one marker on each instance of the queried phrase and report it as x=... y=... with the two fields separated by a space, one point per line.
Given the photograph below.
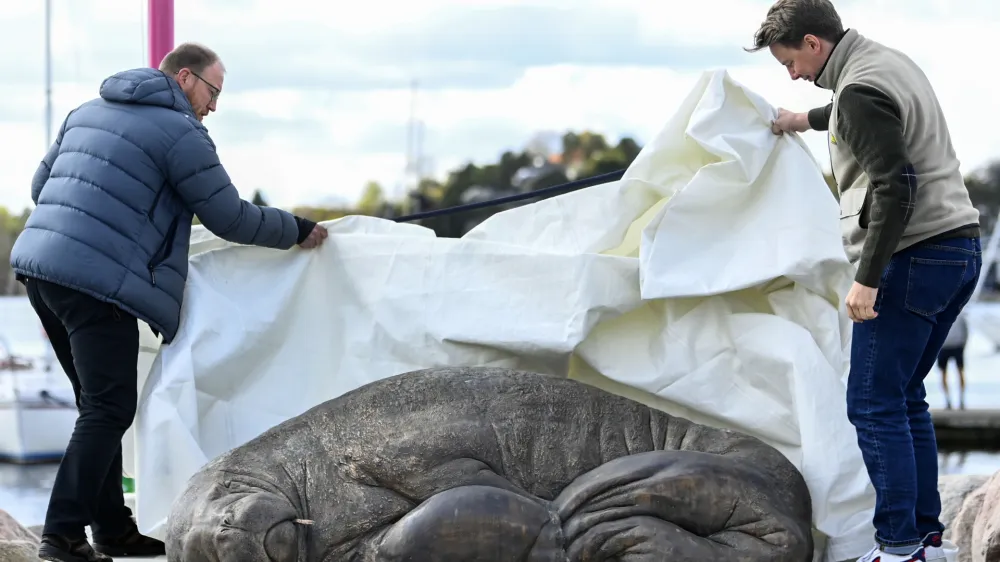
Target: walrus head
x=223 y=517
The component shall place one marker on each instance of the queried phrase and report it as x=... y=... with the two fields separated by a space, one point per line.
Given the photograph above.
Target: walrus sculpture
x=485 y=464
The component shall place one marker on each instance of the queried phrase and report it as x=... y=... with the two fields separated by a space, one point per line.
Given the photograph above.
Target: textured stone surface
x=986 y=529
x=954 y=489
x=490 y=465
x=10 y=529
x=18 y=551
x=964 y=523
x=17 y=544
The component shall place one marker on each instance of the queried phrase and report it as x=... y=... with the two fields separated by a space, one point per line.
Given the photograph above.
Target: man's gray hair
x=789 y=21
x=192 y=56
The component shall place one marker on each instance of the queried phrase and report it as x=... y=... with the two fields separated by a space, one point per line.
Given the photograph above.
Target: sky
x=318 y=95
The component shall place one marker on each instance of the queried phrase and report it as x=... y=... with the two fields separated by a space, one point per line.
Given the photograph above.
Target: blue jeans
x=921 y=293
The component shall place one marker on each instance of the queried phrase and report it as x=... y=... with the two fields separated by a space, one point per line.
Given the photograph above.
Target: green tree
x=605 y=162
x=583 y=146
x=430 y=188
x=584 y=153
x=551 y=179
x=372 y=199
x=628 y=148
x=11 y=225
x=984 y=186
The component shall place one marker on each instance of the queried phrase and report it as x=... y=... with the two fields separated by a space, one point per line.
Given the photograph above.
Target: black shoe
x=131 y=543
x=60 y=549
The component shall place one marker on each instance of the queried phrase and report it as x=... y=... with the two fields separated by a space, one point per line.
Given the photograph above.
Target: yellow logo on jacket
x=833 y=138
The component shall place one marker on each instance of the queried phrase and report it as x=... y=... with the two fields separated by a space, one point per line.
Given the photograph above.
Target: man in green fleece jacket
x=909 y=227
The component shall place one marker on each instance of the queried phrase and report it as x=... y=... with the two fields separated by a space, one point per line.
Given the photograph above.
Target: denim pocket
x=933 y=284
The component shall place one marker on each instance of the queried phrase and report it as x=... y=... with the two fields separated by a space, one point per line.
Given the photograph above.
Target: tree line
x=547 y=160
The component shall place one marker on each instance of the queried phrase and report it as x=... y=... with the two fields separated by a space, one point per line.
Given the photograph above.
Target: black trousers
x=97 y=345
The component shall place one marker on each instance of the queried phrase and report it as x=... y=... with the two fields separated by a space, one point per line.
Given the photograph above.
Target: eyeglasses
x=215 y=91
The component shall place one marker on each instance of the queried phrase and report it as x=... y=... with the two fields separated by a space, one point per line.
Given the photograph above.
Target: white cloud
x=317 y=96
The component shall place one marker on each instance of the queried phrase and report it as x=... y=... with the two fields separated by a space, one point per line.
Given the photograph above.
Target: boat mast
x=48 y=74
x=161 y=41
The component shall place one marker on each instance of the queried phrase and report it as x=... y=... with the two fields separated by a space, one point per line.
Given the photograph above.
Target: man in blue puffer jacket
x=106 y=244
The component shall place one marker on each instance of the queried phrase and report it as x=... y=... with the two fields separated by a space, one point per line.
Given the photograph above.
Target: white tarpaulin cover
x=707 y=283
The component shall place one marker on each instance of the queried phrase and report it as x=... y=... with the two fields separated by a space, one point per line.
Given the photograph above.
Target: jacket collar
x=829 y=75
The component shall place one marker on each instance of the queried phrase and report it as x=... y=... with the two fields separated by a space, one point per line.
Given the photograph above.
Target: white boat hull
x=37 y=407
x=34 y=433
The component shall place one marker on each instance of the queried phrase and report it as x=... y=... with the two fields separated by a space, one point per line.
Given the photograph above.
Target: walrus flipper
x=474 y=523
x=682 y=506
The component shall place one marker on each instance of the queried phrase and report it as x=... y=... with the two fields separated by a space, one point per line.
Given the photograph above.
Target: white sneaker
x=947 y=552
x=876 y=555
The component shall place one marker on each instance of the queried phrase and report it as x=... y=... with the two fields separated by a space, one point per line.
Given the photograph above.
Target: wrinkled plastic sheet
x=706 y=283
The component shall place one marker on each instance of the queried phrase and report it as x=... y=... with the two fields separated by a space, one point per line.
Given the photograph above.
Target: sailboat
x=37 y=405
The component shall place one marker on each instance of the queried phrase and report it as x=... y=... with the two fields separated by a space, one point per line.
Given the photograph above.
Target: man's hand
x=861 y=302
x=790 y=122
x=315 y=238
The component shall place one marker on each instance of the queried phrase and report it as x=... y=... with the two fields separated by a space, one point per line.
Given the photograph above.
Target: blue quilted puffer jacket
x=116 y=194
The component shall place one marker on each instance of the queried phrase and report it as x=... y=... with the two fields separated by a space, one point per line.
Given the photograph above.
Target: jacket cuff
x=305 y=227
x=818 y=119
x=868 y=275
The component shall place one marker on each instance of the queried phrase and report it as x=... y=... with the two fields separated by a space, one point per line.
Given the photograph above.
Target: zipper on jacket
x=829 y=150
x=163 y=252
x=152 y=209
x=156 y=201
